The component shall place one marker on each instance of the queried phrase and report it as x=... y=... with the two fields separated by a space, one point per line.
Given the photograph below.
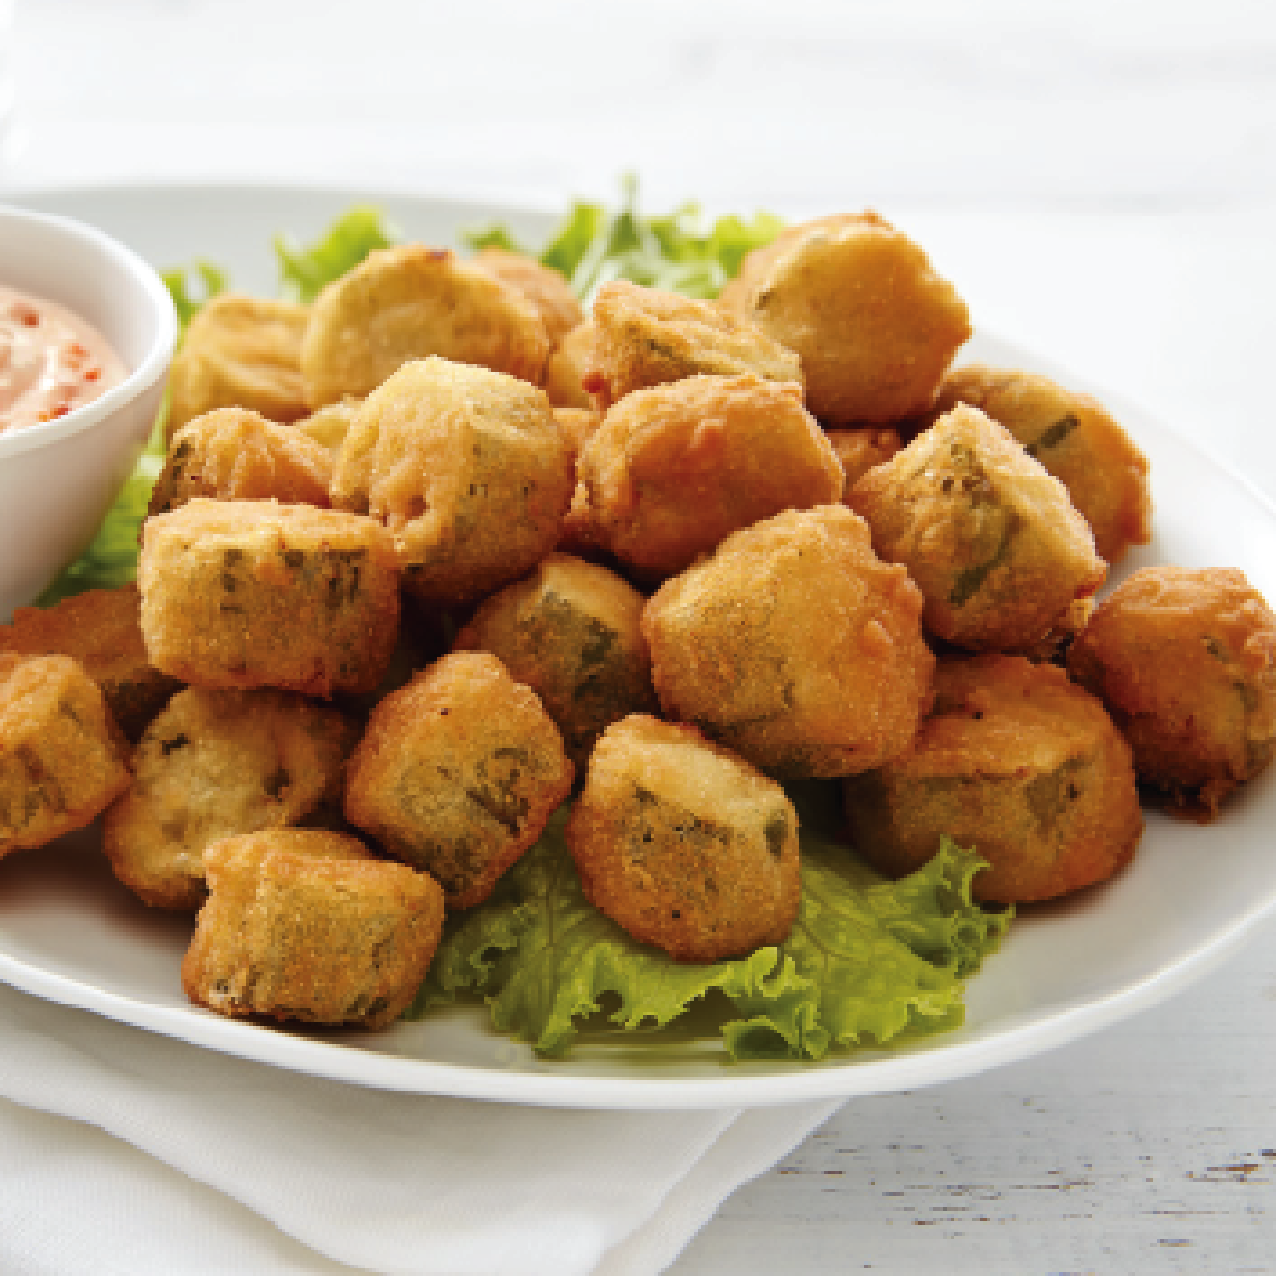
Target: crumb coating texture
x=309 y=926
x=1016 y=762
x=1185 y=660
x=213 y=764
x=458 y=774
x=684 y=844
x=255 y=594
x=795 y=646
x=62 y=758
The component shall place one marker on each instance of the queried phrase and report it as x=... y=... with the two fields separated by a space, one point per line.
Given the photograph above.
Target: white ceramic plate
x=70 y=933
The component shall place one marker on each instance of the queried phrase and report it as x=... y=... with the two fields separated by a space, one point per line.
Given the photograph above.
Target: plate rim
x=841 y=1078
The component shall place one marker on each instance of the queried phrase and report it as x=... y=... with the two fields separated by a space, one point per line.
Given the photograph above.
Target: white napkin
x=375 y=1181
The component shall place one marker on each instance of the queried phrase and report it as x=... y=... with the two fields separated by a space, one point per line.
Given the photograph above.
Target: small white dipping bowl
x=58 y=479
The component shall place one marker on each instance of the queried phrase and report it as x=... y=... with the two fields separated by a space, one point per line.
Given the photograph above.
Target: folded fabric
x=308 y=1175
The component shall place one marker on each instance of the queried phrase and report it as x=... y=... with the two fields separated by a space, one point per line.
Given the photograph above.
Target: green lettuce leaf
x=191 y=286
x=111 y=560
x=303 y=271
x=680 y=252
x=868 y=960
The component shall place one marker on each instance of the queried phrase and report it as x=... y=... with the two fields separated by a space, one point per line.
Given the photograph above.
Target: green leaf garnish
x=867 y=961
x=305 y=270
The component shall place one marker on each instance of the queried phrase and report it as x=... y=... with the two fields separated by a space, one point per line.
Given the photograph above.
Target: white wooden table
x=1100 y=181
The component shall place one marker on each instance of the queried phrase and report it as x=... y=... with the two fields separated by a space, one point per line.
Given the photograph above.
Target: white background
x=1098 y=179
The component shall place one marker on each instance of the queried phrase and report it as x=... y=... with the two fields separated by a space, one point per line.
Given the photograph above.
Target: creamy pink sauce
x=51 y=361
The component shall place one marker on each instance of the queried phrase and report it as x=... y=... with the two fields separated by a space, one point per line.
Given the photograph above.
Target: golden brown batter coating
x=236 y=455
x=861 y=305
x=684 y=844
x=331 y=423
x=467 y=468
x=1016 y=762
x=213 y=764
x=458 y=774
x=860 y=450
x=674 y=469
x=406 y=303
x=307 y=925
x=255 y=594
x=578 y=425
x=795 y=646
x=999 y=552
x=100 y=630
x=543 y=286
x=1186 y=663
x=570 y=366
x=572 y=632
x=1075 y=439
x=646 y=337
x=239 y=352
x=62 y=758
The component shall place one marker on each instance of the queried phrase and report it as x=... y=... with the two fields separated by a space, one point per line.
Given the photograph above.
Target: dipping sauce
x=51 y=361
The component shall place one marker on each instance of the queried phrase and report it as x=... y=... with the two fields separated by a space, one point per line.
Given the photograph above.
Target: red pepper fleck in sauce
x=51 y=361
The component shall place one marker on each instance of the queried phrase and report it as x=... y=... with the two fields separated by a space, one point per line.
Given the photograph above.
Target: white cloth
x=349 y=1178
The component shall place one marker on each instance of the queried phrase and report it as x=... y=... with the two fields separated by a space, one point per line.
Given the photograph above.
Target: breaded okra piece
x=408 y=302
x=236 y=455
x=1077 y=441
x=572 y=632
x=458 y=773
x=255 y=594
x=213 y=764
x=62 y=758
x=794 y=645
x=308 y=925
x=673 y=470
x=647 y=337
x=100 y=629
x=239 y=352
x=1015 y=761
x=1185 y=661
x=1002 y=558
x=860 y=303
x=684 y=844
x=467 y=468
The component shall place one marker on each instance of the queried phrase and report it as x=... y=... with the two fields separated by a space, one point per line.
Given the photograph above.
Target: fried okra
x=1075 y=439
x=570 y=366
x=795 y=646
x=239 y=352
x=860 y=450
x=1015 y=761
x=213 y=764
x=467 y=468
x=543 y=286
x=308 y=925
x=100 y=630
x=62 y=758
x=572 y=632
x=1000 y=554
x=646 y=337
x=1186 y=663
x=255 y=594
x=684 y=844
x=458 y=773
x=406 y=303
x=236 y=455
x=674 y=469
x=862 y=307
